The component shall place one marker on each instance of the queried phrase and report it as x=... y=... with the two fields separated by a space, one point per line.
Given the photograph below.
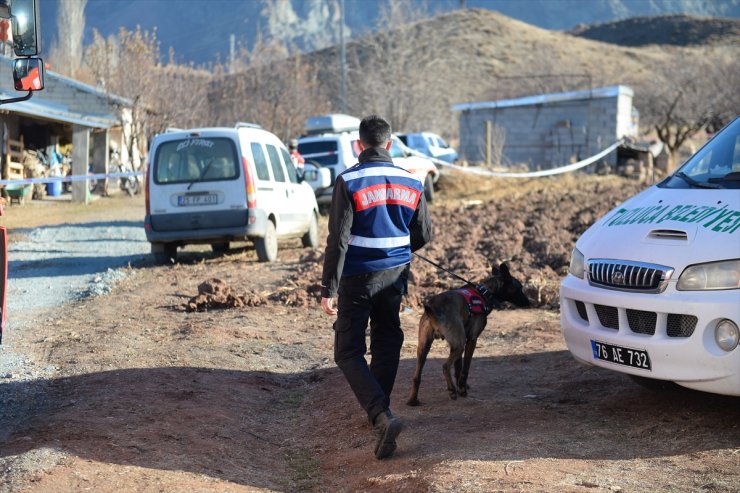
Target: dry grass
x=34 y=213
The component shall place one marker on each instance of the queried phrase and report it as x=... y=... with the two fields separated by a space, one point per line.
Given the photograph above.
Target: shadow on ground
x=232 y=424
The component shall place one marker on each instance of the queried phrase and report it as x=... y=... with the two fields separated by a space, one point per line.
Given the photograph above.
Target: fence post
x=489 y=131
x=80 y=161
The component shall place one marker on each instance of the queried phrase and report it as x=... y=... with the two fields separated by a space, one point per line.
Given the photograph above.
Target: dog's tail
x=435 y=312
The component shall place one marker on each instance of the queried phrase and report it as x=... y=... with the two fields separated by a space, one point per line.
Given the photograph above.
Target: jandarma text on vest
x=386 y=194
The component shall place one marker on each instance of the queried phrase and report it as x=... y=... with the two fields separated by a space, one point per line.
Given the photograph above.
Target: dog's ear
x=504 y=268
x=495 y=272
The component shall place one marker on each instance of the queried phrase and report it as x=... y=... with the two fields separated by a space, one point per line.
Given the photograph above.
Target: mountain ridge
x=188 y=25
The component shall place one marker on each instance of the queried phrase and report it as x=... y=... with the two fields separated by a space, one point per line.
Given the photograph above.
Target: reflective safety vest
x=384 y=198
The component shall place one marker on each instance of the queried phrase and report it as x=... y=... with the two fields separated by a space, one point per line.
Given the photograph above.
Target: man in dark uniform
x=378 y=217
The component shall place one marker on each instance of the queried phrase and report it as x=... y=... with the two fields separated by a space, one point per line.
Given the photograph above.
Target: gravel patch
x=52 y=266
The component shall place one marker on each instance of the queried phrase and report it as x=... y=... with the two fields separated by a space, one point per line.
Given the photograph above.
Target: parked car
x=216 y=185
x=331 y=142
x=423 y=168
x=430 y=144
x=653 y=288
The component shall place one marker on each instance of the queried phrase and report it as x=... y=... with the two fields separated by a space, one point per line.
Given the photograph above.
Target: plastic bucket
x=54 y=188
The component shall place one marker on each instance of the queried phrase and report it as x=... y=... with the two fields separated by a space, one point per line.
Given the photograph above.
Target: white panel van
x=216 y=185
x=653 y=288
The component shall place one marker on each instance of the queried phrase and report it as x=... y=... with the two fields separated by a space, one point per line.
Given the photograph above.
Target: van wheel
x=429 y=188
x=220 y=247
x=164 y=253
x=267 y=246
x=311 y=238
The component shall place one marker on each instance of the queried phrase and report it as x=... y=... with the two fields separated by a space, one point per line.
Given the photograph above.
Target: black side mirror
x=25 y=18
x=28 y=74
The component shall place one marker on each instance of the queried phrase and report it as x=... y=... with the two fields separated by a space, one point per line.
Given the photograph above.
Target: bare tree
x=66 y=54
x=399 y=75
x=159 y=95
x=688 y=97
x=274 y=87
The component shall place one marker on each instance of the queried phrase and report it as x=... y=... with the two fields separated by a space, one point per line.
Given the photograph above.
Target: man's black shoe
x=387 y=428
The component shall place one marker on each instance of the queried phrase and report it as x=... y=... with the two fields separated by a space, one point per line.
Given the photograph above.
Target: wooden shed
x=67 y=112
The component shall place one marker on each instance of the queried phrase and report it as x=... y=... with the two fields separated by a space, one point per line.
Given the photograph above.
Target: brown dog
x=459 y=316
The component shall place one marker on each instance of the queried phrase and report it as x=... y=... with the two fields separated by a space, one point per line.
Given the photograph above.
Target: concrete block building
x=547 y=130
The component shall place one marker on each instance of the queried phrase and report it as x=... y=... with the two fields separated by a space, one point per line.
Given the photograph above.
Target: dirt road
x=148 y=396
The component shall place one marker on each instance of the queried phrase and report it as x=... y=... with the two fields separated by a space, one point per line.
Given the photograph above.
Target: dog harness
x=479 y=299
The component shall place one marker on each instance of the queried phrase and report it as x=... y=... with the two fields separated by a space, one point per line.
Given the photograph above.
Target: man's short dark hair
x=374 y=131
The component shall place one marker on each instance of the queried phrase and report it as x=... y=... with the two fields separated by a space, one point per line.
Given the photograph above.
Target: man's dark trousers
x=375 y=296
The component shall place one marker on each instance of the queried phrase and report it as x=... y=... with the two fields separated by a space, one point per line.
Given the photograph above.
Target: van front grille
x=625 y=275
x=608 y=316
x=680 y=325
x=641 y=321
x=582 y=310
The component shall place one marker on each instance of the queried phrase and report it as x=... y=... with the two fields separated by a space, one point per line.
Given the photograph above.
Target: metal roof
x=63 y=100
x=601 y=92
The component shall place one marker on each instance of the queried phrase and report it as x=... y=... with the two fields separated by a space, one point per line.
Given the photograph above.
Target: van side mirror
x=28 y=74
x=317 y=177
x=25 y=18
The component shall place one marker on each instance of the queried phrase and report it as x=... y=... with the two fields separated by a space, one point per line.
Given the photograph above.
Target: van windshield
x=716 y=165
x=195 y=159
x=323 y=152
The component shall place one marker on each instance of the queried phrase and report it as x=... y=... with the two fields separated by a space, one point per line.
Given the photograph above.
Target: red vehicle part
x=3 y=271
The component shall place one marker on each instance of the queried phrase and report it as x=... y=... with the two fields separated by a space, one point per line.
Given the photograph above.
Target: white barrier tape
x=53 y=179
x=532 y=174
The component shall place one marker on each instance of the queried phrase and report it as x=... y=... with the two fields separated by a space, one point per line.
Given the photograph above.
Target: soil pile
x=215 y=293
x=532 y=225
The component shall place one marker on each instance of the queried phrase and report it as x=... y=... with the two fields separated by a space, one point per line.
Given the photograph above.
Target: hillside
x=479 y=54
x=678 y=30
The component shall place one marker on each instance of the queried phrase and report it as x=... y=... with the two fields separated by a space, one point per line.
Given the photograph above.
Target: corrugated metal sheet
x=63 y=100
x=598 y=93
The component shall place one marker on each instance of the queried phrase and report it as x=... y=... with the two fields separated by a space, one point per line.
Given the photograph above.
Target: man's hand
x=327 y=304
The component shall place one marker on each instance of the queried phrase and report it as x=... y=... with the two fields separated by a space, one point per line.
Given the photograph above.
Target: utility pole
x=232 y=52
x=342 y=60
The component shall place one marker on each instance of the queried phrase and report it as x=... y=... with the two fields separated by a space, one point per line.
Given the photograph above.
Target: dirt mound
x=533 y=225
x=215 y=294
x=534 y=229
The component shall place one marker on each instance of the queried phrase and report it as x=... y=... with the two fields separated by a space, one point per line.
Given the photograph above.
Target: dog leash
x=442 y=268
x=489 y=298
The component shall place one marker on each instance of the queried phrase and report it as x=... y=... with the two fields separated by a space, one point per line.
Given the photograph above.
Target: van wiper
x=733 y=176
x=202 y=174
x=693 y=182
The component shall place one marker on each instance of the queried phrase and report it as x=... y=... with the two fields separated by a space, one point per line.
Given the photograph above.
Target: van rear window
x=323 y=152
x=196 y=159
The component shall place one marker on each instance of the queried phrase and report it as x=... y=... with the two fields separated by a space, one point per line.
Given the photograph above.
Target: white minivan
x=332 y=143
x=216 y=185
x=653 y=288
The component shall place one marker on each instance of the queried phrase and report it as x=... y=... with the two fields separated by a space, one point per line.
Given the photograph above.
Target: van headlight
x=577 y=264
x=712 y=275
x=727 y=335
